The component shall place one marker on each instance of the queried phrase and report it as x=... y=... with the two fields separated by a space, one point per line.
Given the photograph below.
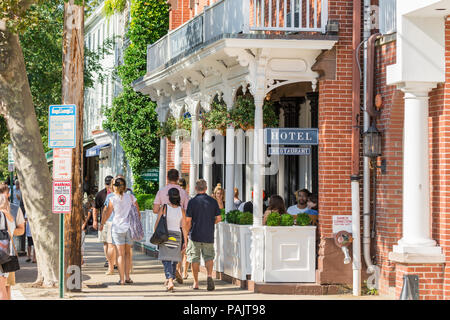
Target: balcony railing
x=239 y=16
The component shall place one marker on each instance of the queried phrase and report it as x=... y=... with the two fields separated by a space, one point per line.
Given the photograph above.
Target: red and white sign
x=62 y=164
x=342 y=223
x=62 y=197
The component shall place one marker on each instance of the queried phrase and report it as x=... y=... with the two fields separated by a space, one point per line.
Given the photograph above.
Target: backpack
x=137 y=232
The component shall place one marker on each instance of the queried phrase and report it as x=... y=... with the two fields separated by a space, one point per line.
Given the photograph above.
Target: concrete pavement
x=148 y=277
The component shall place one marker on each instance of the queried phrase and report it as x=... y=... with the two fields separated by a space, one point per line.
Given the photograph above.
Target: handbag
x=161 y=233
x=136 y=230
x=4 y=235
x=13 y=264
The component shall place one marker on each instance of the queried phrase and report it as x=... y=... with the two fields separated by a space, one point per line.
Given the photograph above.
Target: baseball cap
x=108 y=180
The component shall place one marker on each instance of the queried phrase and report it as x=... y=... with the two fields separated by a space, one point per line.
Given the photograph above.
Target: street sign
x=10 y=159
x=62 y=164
x=151 y=174
x=62 y=197
x=289 y=151
x=62 y=126
x=291 y=136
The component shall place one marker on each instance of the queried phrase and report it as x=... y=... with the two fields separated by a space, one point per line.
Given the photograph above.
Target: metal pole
x=61 y=256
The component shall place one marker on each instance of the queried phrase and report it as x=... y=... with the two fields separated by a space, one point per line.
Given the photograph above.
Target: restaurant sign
x=289 y=151
x=291 y=136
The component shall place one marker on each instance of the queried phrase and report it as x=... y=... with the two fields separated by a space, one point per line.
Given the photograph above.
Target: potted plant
x=243 y=113
x=303 y=219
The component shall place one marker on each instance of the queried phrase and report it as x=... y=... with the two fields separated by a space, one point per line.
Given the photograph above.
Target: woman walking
x=170 y=251
x=121 y=204
x=11 y=219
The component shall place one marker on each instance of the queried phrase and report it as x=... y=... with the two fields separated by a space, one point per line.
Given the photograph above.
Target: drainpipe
x=354 y=178
x=369 y=111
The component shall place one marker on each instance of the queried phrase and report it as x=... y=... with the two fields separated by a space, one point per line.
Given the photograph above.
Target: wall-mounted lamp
x=372 y=147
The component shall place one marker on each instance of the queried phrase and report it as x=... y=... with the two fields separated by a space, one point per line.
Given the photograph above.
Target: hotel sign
x=291 y=136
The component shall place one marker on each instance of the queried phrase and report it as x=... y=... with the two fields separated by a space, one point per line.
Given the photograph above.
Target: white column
x=162 y=162
x=208 y=160
x=416 y=237
x=281 y=163
x=230 y=163
x=178 y=155
x=195 y=155
x=258 y=178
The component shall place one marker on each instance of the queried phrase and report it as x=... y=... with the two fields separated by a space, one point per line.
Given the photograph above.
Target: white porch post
x=162 y=162
x=195 y=155
x=178 y=149
x=230 y=163
x=416 y=237
x=207 y=160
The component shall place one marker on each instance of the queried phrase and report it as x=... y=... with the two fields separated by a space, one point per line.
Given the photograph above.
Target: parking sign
x=62 y=126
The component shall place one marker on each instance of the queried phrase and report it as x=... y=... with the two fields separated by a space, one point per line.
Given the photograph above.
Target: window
x=387 y=16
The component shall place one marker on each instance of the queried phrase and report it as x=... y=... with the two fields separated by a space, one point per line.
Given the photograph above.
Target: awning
x=95 y=151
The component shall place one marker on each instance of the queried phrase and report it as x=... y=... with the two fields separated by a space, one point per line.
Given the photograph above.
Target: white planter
x=218 y=247
x=290 y=254
x=236 y=242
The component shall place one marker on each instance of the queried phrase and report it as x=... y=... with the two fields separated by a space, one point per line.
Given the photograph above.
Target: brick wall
x=389 y=185
x=431 y=278
x=439 y=122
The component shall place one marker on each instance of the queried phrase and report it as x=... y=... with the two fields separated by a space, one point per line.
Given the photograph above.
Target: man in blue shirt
x=201 y=215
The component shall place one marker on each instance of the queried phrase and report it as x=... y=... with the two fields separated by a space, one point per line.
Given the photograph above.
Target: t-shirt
x=236 y=204
x=100 y=198
x=312 y=212
x=203 y=210
x=122 y=205
x=293 y=210
x=162 y=197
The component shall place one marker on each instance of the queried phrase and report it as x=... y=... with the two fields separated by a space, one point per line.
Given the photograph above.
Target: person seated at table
x=302 y=198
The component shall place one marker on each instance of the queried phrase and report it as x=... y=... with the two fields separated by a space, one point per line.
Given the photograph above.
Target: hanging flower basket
x=243 y=113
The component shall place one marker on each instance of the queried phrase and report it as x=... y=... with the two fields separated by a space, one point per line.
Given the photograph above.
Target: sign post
x=11 y=170
x=62 y=134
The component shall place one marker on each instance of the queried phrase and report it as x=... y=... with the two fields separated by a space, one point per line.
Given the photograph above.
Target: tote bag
x=137 y=232
x=161 y=233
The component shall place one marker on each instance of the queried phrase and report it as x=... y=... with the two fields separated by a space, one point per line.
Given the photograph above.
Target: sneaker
x=210 y=283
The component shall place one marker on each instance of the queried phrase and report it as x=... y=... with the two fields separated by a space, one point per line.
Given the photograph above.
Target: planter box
x=235 y=250
x=290 y=254
x=148 y=219
x=218 y=247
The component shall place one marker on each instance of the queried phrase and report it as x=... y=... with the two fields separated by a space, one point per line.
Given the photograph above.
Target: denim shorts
x=119 y=238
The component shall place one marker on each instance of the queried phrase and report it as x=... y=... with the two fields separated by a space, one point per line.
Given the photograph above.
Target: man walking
x=201 y=215
x=105 y=234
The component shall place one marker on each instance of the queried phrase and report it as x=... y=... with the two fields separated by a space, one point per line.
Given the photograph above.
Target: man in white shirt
x=301 y=206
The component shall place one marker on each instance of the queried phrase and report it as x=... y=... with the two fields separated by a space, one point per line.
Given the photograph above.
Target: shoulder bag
x=137 y=232
x=12 y=264
x=161 y=233
x=4 y=236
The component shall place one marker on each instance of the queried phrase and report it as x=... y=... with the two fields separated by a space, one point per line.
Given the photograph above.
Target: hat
x=108 y=180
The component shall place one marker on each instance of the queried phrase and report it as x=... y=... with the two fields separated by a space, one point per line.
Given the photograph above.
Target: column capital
x=416 y=89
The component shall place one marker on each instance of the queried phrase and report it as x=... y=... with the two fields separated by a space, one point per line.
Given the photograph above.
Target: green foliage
x=133 y=114
x=287 y=220
x=112 y=6
x=303 y=219
x=233 y=216
x=243 y=113
x=245 y=218
x=273 y=219
x=166 y=129
x=217 y=118
x=145 y=201
x=222 y=214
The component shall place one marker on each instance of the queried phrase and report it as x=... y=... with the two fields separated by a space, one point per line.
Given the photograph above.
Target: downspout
x=369 y=111
x=355 y=177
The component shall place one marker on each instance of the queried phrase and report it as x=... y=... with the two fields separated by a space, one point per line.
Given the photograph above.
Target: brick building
x=300 y=56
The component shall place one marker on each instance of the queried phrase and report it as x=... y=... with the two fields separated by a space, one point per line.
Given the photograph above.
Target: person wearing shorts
x=99 y=203
x=121 y=204
x=202 y=214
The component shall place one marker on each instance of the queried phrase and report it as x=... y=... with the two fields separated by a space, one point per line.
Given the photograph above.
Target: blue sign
x=62 y=126
x=291 y=136
x=289 y=151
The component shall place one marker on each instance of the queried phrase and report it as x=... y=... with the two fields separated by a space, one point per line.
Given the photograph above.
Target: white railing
x=289 y=15
x=148 y=219
x=238 y=16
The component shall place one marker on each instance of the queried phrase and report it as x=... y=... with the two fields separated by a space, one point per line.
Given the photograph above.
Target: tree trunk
x=16 y=105
x=73 y=93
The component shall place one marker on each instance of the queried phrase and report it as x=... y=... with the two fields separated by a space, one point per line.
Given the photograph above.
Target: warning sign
x=62 y=164
x=62 y=202
x=342 y=223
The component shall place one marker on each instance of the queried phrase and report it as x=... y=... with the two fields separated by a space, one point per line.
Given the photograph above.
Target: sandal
x=185 y=276
x=109 y=272
x=170 y=289
x=129 y=281
x=178 y=277
x=120 y=283
x=194 y=288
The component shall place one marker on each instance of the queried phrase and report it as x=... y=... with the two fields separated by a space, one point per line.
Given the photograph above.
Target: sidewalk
x=148 y=277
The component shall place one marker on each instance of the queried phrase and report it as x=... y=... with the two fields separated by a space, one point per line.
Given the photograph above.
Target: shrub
x=148 y=204
x=287 y=220
x=233 y=216
x=245 y=218
x=222 y=214
x=303 y=219
x=145 y=201
x=274 y=219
